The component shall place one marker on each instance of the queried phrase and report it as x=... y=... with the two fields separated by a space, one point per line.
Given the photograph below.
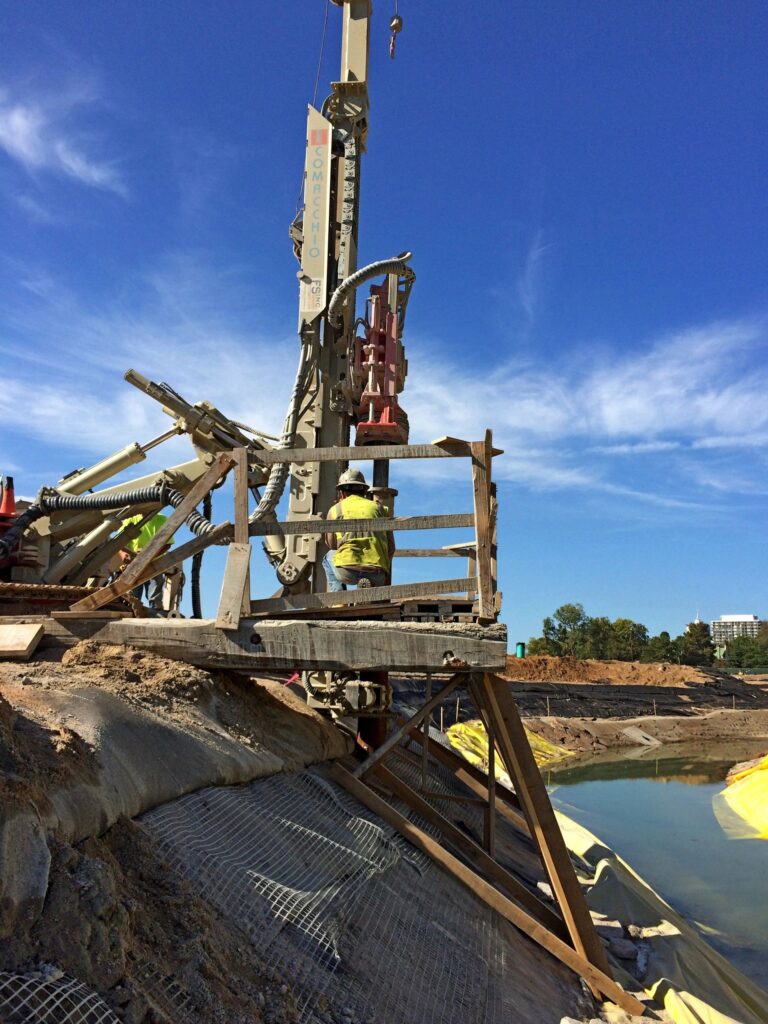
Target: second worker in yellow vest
x=353 y=560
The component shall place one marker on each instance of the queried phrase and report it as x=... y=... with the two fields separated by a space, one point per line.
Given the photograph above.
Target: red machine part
x=8 y=516
x=380 y=369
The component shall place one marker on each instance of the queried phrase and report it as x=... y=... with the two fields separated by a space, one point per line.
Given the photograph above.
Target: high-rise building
x=728 y=627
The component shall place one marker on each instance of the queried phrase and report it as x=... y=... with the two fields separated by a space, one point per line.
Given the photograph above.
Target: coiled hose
x=391 y=266
x=47 y=503
x=197 y=563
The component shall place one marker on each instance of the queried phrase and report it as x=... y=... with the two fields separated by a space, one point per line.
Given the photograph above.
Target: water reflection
x=670 y=835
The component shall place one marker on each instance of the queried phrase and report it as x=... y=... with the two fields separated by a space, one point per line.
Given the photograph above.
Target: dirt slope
x=541 y=668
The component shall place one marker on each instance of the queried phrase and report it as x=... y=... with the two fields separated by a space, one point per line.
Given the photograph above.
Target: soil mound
x=543 y=668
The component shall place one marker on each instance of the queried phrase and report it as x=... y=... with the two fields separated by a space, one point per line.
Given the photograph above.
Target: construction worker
x=152 y=589
x=357 y=560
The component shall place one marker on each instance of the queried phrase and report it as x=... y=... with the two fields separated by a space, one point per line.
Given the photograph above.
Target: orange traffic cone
x=8 y=503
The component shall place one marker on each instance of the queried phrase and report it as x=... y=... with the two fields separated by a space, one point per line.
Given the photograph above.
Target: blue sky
x=583 y=188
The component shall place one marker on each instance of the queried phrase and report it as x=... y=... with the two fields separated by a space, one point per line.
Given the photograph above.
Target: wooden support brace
x=413 y=723
x=475 y=780
x=360 y=527
x=484 y=891
x=233 y=586
x=481 y=479
x=240 y=455
x=472 y=852
x=368 y=595
x=514 y=749
x=136 y=571
x=445 y=448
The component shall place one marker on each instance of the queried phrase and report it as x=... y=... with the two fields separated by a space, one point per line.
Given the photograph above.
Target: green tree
x=565 y=632
x=598 y=638
x=696 y=647
x=660 y=648
x=746 y=652
x=628 y=640
x=537 y=645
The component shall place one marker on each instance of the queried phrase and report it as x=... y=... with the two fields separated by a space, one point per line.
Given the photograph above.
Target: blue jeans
x=154 y=592
x=341 y=576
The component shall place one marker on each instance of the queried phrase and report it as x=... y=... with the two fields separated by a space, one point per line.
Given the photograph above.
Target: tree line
x=571 y=632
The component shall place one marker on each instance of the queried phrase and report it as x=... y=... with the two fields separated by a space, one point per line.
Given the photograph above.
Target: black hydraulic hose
x=197 y=563
x=100 y=502
x=396 y=265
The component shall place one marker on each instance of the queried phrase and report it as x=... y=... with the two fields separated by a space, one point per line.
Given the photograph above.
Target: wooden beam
x=360 y=527
x=426 y=553
x=486 y=893
x=481 y=462
x=413 y=723
x=233 y=586
x=515 y=751
x=296 y=644
x=132 y=576
x=475 y=780
x=240 y=455
x=473 y=852
x=366 y=596
x=450 y=448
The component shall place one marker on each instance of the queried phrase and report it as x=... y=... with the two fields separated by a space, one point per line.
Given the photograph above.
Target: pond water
x=654 y=809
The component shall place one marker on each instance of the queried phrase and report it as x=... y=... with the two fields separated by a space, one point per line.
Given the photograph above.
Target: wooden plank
x=475 y=780
x=297 y=456
x=233 y=586
x=515 y=751
x=98 y=614
x=366 y=596
x=484 y=891
x=18 y=641
x=473 y=852
x=413 y=722
x=493 y=532
x=426 y=553
x=360 y=527
x=481 y=490
x=240 y=455
x=133 y=574
x=295 y=644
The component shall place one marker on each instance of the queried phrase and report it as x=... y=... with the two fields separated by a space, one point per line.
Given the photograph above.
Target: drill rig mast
x=352 y=380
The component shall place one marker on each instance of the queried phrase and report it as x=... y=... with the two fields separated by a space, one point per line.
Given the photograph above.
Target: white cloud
x=561 y=425
x=182 y=331
x=44 y=133
x=529 y=283
x=639 y=448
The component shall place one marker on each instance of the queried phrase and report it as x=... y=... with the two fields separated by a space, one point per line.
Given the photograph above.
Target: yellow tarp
x=742 y=807
x=471 y=740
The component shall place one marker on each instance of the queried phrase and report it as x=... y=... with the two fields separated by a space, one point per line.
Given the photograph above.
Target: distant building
x=728 y=627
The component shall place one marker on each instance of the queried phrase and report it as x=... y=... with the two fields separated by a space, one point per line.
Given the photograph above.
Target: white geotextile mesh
x=37 y=998
x=363 y=927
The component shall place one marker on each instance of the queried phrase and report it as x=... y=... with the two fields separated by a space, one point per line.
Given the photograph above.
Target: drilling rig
x=350 y=372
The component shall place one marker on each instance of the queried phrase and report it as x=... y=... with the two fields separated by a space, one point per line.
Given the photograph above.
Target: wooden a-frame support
x=572 y=939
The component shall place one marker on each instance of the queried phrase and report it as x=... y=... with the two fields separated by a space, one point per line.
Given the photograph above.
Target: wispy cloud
x=182 y=323
x=528 y=285
x=644 y=430
x=639 y=448
x=46 y=132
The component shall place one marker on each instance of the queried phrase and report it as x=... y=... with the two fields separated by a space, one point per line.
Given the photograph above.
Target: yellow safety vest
x=147 y=532
x=369 y=549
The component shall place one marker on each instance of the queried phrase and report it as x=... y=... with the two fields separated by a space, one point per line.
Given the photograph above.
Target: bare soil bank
x=593 y=705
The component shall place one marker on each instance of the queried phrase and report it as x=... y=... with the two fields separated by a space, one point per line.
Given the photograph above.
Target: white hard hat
x=352 y=478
